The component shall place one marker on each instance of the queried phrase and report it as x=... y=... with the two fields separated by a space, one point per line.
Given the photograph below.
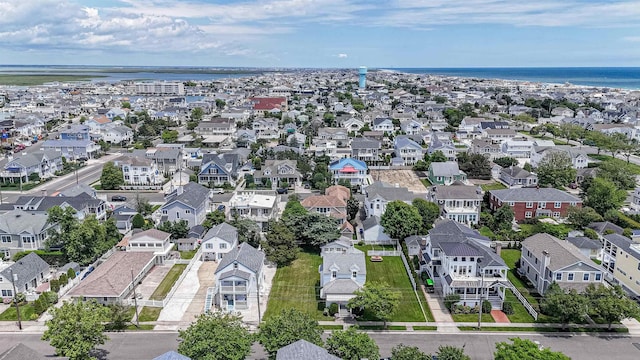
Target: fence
x=383 y=253
x=523 y=300
x=409 y=272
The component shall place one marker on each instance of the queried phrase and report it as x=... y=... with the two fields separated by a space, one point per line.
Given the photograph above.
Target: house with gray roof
x=43 y=163
x=372 y=232
x=588 y=247
x=458 y=202
x=302 y=349
x=461 y=261
x=171 y=355
x=238 y=279
x=366 y=149
x=21 y=230
x=22 y=352
x=278 y=173
x=189 y=202
x=342 y=273
x=379 y=194
x=84 y=204
x=29 y=273
x=515 y=176
x=546 y=259
x=72 y=149
x=532 y=202
x=407 y=149
x=445 y=173
x=218 y=241
x=218 y=169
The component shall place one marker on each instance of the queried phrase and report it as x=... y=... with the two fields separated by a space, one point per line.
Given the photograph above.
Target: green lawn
x=380 y=327
x=520 y=314
x=426 y=182
x=167 y=283
x=39 y=79
x=297 y=286
x=425 y=328
x=392 y=272
x=331 y=327
x=492 y=186
x=26 y=313
x=510 y=256
x=486 y=232
x=617 y=162
x=149 y=313
x=188 y=254
x=141 y=328
x=486 y=318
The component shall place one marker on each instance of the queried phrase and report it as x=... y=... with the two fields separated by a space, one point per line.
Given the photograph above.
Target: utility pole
x=135 y=300
x=258 y=297
x=480 y=304
x=14 y=278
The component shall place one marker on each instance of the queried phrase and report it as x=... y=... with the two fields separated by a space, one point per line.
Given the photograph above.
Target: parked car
x=220 y=208
x=118 y=198
x=89 y=271
x=218 y=190
x=283 y=191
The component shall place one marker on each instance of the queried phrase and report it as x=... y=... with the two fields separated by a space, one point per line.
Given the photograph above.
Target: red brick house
x=531 y=202
x=269 y=103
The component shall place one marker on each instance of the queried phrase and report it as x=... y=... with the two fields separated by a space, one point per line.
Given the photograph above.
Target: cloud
x=342 y=56
x=631 y=38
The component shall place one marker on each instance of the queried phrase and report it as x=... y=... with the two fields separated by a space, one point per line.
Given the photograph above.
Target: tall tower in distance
x=362 y=83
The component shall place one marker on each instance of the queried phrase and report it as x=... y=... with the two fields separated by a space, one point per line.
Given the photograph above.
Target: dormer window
x=354 y=274
x=334 y=274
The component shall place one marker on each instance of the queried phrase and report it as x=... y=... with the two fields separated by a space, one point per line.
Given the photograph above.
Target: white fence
x=383 y=253
x=523 y=300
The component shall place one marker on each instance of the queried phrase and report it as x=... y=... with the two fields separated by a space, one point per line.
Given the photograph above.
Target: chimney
x=498 y=248
x=44 y=192
x=542 y=275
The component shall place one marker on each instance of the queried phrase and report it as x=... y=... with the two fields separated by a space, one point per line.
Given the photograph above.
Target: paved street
x=147 y=345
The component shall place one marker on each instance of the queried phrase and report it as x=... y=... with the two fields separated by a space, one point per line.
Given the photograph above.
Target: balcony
x=233 y=289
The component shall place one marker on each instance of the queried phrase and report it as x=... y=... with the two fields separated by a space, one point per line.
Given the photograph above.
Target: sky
x=321 y=33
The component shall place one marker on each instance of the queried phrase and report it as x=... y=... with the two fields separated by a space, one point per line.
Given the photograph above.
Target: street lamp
x=14 y=278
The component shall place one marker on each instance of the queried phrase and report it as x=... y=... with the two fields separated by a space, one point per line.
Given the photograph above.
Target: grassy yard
x=297 y=286
x=492 y=186
x=426 y=182
x=26 y=313
x=331 y=327
x=392 y=272
x=617 y=162
x=167 y=283
x=149 y=313
x=486 y=318
x=380 y=327
x=188 y=255
x=510 y=257
x=520 y=314
x=425 y=328
x=486 y=232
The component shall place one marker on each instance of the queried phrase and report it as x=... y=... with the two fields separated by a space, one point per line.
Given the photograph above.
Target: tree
x=319 y=229
x=352 y=344
x=401 y=220
x=378 y=298
x=293 y=208
x=503 y=218
x=220 y=104
x=506 y=161
x=353 y=207
x=112 y=177
x=196 y=114
x=476 y=166
x=280 y=245
x=621 y=176
x=248 y=231
x=565 y=306
x=449 y=352
x=170 y=136
x=403 y=352
x=437 y=156
x=603 y=195
x=216 y=336
x=556 y=170
x=76 y=328
x=287 y=327
x=428 y=211
x=143 y=206
x=525 y=349
x=138 y=221
x=178 y=229
x=581 y=217
x=119 y=316
x=213 y=218
x=611 y=303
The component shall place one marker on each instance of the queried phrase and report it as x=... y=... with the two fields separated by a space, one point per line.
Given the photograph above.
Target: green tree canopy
x=404 y=352
x=428 y=211
x=213 y=218
x=112 y=177
x=76 y=328
x=611 y=303
x=603 y=195
x=476 y=166
x=353 y=207
x=178 y=229
x=138 y=221
x=401 y=220
x=248 y=231
x=378 y=298
x=293 y=208
x=196 y=114
x=621 y=176
x=170 y=136
x=525 y=349
x=287 y=327
x=581 y=217
x=503 y=218
x=437 y=156
x=565 y=306
x=506 y=161
x=556 y=170
x=352 y=344
x=216 y=336
x=451 y=353
x=280 y=244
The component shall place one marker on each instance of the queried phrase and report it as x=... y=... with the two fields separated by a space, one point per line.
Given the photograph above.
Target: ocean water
x=613 y=77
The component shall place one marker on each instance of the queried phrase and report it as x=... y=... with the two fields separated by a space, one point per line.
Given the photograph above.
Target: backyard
x=297 y=286
x=167 y=283
x=520 y=315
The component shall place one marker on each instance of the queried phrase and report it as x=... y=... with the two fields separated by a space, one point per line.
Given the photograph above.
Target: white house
x=151 y=240
x=341 y=273
x=238 y=279
x=218 y=241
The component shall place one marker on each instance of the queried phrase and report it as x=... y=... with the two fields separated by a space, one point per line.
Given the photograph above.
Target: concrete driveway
x=152 y=280
x=206 y=280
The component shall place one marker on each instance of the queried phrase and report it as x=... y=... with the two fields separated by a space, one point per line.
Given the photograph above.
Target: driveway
x=206 y=280
x=181 y=299
x=152 y=280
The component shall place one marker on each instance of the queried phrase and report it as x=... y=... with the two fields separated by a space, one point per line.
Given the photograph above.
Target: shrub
x=63 y=280
x=507 y=308
x=33 y=317
x=54 y=285
x=39 y=306
x=333 y=309
x=451 y=300
x=486 y=306
x=20 y=298
x=52 y=298
x=71 y=274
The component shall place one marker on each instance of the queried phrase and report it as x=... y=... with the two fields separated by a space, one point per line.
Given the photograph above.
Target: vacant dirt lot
x=404 y=178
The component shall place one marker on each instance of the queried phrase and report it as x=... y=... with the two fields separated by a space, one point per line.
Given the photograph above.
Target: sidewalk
x=441 y=315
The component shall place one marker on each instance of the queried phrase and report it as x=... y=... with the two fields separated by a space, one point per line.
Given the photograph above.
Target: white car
x=218 y=191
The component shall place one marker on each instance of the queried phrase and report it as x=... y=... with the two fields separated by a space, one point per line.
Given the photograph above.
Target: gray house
x=342 y=273
x=366 y=149
x=218 y=241
x=515 y=176
x=43 y=163
x=238 y=278
x=21 y=230
x=29 y=273
x=189 y=202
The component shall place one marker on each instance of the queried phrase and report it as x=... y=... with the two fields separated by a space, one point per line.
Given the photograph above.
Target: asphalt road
x=147 y=345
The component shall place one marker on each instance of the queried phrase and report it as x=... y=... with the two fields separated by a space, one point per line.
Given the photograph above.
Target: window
x=7 y=293
x=455 y=258
x=334 y=274
x=542 y=205
x=512 y=203
x=354 y=274
x=557 y=204
x=529 y=204
x=559 y=277
x=187 y=211
x=223 y=246
x=7 y=239
x=464 y=258
x=570 y=276
x=585 y=277
x=598 y=276
x=472 y=259
x=528 y=214
x=164 y=212
x=556 y=214
x=27 y=239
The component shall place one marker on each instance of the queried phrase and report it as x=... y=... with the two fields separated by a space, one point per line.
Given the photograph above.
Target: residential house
x=351 y=170
x=337 y=246
x=123 y=216
x=239 y=278
x=75 y=132
x=407 y=149
x=72 y=149
x=117 y=134
x=621 y=261
x=499 y=135
x=216 y=126
x=588 y=247
x=461 y=261
x=189 y=202
x=139 y=171
x=218 y=241
x=257 y=207
x=330 y=204
x=84 y=204
x=266 y=128
x=445 y=173
x=546 y=259
x=441 y=141
x=415 y=243
x=458 y=202
x=366 y=149
x=27 y=274
x=339 y=135
x=268 y=103
x=168 y=159
x=372 y=232
x=411 y=127
x=487 y=148
x=115 y=113
x=152 y=240
x=383 y=124
x=533 y=202
x=279 y=173
x=379 y=194
x=341 y=274
x=352 y=124
x=42 y=163
x=302 y=349
x=244 y=138
x=514 y=177
x=21 y=230
x=218 y=169
x=579 y=159
x=518 y=148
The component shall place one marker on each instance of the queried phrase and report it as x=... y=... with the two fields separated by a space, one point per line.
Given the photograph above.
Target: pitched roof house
x=342 y=273
x=238 y=278
x=218 y=241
